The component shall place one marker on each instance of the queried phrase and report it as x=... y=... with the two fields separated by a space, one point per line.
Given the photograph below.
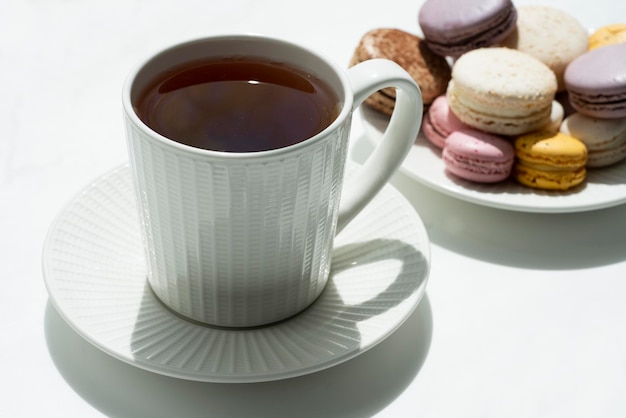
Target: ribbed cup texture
x=237 y=241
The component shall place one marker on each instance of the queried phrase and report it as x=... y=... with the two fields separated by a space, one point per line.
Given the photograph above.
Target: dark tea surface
x=237 y=105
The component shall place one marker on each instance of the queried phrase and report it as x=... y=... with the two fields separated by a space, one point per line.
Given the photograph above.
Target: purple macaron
x=596 y=82
x=453 y=27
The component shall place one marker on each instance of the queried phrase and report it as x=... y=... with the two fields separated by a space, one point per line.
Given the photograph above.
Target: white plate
x=602 y=188
x=94 y=271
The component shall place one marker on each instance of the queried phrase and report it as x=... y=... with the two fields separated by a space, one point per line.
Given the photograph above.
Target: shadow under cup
x=238 y=239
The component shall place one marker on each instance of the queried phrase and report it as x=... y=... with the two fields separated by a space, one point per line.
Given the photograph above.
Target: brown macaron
x=430 y=71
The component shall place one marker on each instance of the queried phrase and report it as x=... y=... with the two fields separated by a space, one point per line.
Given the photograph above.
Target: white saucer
x=94 y=271
x=602 y=188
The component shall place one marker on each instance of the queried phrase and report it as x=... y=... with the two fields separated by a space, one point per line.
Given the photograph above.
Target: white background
x=524 y=314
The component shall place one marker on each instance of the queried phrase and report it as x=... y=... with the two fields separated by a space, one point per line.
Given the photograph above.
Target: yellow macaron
x=608 y=35
x=548 y=160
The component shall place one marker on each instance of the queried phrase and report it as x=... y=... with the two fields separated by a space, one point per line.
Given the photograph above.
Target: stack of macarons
x=501 y=81
x=545 y=159
x=502 y=93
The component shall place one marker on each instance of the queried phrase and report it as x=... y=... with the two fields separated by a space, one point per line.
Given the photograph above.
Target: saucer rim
x=421 y=241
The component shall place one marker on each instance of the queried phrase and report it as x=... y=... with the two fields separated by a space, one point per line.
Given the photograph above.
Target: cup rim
x=346 y=104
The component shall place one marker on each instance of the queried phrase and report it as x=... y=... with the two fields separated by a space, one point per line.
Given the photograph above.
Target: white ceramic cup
x=245 y=239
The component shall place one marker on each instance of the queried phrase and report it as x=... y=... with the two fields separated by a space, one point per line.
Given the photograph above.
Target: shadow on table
x=359 y=387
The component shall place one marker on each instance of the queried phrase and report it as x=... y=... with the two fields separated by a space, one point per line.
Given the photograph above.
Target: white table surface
x=524 y=314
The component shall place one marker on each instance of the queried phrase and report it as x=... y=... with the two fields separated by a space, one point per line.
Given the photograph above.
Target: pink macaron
x=439 y=122
x=478 y=156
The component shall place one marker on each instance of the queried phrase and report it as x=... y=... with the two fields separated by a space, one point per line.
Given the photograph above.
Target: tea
x=237 y=105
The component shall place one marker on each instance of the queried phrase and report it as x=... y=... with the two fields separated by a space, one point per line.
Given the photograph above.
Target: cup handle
x=366 y=78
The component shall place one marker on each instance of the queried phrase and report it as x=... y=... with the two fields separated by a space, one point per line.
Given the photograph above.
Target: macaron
x=596 y=82
x=439 y=122
x=551 y=35
x=614 y=33
x=478 y=156
x=453 y=27
x=550 y=161
x=430 y=71
x=605 y=139
x=501 y=91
